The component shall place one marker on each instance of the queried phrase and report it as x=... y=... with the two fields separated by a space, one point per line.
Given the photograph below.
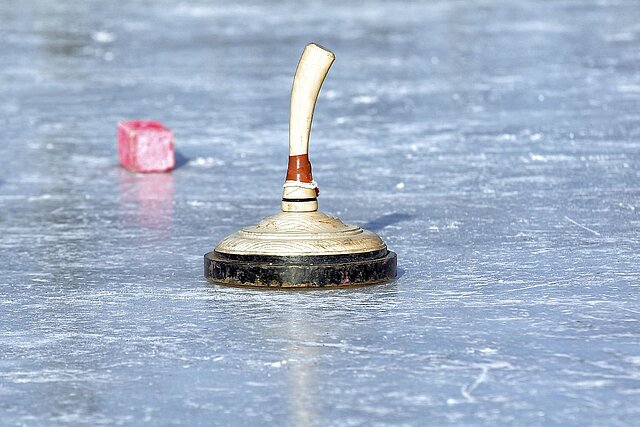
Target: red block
x=145 y=146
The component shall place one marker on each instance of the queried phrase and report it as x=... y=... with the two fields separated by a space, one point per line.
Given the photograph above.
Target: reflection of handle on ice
x=311 y=72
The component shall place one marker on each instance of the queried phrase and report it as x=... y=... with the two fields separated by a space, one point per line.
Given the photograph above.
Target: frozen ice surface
x=493 y=145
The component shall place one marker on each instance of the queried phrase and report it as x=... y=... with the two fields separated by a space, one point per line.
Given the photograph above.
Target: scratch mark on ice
x=581 y=226
x=466 y=390
x=531 y=287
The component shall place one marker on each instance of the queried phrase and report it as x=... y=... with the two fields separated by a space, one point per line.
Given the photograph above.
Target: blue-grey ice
x=495 y=146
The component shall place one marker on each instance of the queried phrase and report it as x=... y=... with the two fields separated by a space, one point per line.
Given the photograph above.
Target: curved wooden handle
x=300 y=192
x=312 y=69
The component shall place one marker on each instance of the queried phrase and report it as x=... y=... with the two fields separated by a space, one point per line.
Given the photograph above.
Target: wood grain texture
x=299 y=234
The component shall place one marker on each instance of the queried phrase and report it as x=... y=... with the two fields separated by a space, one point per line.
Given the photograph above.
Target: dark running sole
x=330 y=271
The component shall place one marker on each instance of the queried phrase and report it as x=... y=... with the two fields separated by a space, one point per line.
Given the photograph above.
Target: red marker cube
x=145 y=146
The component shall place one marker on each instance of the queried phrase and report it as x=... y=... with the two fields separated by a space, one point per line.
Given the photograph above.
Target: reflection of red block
x=145 y=146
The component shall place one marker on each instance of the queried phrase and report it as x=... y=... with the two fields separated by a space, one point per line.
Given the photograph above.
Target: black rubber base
x=301 y=271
